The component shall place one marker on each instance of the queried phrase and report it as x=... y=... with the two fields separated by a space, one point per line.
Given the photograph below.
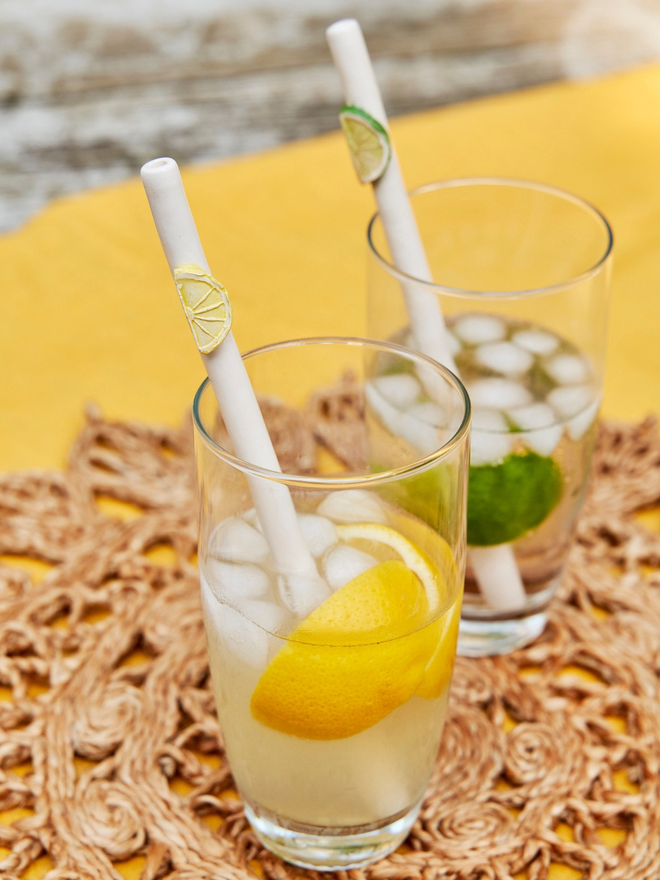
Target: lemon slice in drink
x=362 y=653
x=441 y=664
x=368 y=142
x=350 y=663
x=206 y=304
x=374 y=533
x=430 y=545
x=435 y=575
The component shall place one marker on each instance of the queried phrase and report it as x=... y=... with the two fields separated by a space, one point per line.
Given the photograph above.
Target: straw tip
x=342 y=27
x=158 y=168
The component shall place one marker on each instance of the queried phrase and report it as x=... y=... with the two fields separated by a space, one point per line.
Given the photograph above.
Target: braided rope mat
x=118 y=753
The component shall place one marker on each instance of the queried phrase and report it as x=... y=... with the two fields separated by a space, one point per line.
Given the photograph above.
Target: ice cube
x=268 y=615
x=301 y=594
x=570 y=400
x=536 y=341
x=250 y=516
x=237 y=581
x=421 y=436
x=489 y=447
x=400 y=389
x=567 y=369
x=428 y=412
x=434 y=386
x=498 y=394
x=244 y=639
x=536 y=415
x=488 y=420
x=318 y=533
x=475 y=329
x=504 y=357
x=343 y=563
x=236 y=541
x=540 y=432
x=353 y=505
x=543 y=440
x=579 y=425
x=453 y=344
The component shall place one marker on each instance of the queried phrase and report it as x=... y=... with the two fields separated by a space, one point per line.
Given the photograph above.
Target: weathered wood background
x=90 y=89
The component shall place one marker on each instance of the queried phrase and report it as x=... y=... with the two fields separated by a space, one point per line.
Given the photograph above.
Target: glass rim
x=335 y=481
x=513 y=182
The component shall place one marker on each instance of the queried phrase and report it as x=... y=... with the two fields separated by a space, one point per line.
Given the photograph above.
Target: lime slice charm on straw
x=368 y=142
x=206 y=304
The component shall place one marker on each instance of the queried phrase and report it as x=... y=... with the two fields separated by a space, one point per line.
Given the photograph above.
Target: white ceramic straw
x=351 y=57
x=235 y=395
x=495 y=568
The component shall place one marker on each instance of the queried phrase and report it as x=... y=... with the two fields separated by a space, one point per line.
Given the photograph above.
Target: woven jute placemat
x=110 y=736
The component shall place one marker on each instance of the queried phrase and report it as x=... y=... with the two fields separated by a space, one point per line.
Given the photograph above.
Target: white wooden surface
x=91 y=89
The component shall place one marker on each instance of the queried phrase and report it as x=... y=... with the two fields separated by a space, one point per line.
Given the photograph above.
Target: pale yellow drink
x=365 y=760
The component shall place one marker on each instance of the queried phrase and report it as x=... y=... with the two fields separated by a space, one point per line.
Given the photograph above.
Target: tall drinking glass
x=521 y=273
x=332 y=706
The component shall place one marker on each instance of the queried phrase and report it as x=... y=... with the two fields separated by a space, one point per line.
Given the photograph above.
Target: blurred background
x=91 y=90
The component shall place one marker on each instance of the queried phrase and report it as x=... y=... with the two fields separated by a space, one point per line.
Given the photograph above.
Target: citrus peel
x=379 y=534
x=363 y=652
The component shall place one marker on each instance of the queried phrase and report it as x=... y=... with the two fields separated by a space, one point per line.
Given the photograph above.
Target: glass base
x=484 y=638
x=330 y=849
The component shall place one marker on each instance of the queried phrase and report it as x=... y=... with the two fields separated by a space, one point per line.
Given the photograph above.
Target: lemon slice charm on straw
x=206 y=304
x=368 y=142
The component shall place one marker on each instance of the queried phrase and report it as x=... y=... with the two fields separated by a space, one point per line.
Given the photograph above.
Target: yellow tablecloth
x=88 y=310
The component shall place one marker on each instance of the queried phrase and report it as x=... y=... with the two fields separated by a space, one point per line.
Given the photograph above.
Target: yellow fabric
x=89 y=311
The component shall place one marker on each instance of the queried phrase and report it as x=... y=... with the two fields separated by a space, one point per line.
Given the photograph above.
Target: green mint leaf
x=507 y=500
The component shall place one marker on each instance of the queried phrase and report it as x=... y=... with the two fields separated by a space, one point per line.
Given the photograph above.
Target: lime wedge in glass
x=507 y=500
x=368 y=143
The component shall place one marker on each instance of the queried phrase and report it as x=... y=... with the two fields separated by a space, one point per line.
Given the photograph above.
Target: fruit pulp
x=325 y=775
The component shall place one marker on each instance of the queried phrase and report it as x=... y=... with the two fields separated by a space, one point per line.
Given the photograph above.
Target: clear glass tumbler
x=521 y=272
x=332 y=709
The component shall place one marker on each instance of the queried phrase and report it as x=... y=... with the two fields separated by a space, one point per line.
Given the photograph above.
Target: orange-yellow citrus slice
x=441 y=665
x=206 y=304
x=379 y=534
x=366 y=650
x=368 y=142
x=437 y=553
x=431 y=546
x=350 y=663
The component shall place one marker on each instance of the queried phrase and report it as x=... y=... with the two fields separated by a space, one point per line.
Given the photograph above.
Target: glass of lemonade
x=332 y=706
x=521 y=272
